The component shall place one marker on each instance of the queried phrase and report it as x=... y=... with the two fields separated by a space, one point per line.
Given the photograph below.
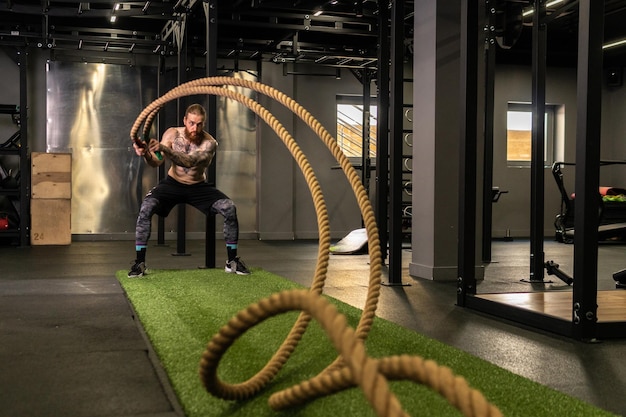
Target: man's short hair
x=196 y=109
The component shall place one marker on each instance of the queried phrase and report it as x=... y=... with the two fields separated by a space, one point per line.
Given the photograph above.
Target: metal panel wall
x=90 y=110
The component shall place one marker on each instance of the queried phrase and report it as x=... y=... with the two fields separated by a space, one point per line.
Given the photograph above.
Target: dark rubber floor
x=70 y=346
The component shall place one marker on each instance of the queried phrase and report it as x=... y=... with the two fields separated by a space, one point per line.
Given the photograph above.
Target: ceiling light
x=548 y=4
x=358 y=9
x=113 y=18
x=318 y=12
x=614 y=44
x=552 y=3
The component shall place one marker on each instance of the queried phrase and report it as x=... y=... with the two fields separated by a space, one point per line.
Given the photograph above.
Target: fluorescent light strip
x=548 y=4
x=614 y=44
x=113 y=18
x=554 y=3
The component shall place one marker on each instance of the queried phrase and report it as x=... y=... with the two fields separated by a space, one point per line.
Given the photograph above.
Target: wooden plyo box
x=50 y=221
x=50 y=204
x=51 y=175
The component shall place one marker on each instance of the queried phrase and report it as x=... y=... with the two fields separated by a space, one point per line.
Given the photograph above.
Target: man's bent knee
x=226 y=207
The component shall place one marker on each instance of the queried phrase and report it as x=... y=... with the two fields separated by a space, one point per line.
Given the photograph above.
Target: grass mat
x=180 y=311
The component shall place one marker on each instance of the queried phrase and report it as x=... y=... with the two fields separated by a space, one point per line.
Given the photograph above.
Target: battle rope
x=353 y=367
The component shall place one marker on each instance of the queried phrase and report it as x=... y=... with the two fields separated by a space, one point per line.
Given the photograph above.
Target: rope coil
x=352 y=367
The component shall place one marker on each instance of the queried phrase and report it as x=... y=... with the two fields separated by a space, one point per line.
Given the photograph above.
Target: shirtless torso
x=190 y=158
x=190 y=148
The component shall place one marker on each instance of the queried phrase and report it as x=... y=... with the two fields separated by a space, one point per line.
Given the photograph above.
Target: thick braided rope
x=259 y=380
x=367 y=212
x=371 y=375
x=359 y=191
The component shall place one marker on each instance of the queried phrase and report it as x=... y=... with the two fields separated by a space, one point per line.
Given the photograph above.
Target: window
x=350 y=126
x=519 y=135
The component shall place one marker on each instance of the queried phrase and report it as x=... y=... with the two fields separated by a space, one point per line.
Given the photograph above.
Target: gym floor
x=70 y=345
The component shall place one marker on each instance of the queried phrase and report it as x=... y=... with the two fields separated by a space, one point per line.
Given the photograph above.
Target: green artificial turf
x=181 y=310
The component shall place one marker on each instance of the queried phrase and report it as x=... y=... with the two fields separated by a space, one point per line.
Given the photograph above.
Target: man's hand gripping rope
x=142 y=148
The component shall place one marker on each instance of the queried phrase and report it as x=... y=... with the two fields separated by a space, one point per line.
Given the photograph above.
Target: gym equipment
x=10 y=180
x=352 y=367
x=12 y=142
x=620 y=279
x=9 y=212
x=353 y=242
x=552 y=268
x=612 y=212
x=143 y=144
x=496 y=193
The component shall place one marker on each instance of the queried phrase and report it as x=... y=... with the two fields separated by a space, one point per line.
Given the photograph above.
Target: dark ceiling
x=562 y=34
x=344 y=35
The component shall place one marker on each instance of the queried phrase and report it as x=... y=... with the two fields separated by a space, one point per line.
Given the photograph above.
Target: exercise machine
x=620 y=279
x=552 y=268
x=612 y=214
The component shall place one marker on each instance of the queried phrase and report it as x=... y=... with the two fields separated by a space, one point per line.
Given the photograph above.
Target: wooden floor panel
x=611 y=304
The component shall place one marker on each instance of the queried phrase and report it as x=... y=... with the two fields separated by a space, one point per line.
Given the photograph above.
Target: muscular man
x=190 y=150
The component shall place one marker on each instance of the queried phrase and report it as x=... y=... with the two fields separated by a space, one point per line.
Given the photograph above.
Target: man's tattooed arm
x=194 y=159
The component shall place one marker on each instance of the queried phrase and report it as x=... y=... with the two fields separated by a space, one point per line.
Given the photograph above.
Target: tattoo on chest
x=182 y=145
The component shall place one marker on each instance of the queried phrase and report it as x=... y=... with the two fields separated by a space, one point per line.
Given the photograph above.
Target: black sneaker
x=236 y=266
x=137 y=270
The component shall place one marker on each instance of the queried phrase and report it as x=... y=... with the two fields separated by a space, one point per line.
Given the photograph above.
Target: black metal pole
x=395 y=148
x=490 y=76
x=538 y=143
x=210 y=10
x=161 y=169
x=382 y=131
x=24 y=226
x=181 y=219
x=365 y=135
x=468 y=144
x=589 y=93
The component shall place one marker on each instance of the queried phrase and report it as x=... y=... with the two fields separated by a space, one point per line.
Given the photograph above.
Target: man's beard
x=191 y=135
